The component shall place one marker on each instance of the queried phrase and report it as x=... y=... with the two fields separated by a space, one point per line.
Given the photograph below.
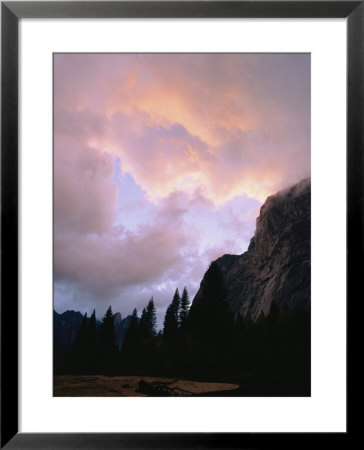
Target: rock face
x=67 y=325
x=65 y=328
x=120 y=326
x=277 y=264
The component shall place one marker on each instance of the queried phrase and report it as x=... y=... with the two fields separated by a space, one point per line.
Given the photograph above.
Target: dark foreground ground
x=295 y=384
x=129 y=386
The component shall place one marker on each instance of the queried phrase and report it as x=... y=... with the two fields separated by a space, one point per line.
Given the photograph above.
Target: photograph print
x=182 y=225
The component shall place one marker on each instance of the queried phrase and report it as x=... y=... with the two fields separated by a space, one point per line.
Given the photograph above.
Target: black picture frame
x=11 y=12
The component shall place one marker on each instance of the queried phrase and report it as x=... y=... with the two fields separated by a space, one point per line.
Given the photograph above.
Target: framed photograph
x=181 y=212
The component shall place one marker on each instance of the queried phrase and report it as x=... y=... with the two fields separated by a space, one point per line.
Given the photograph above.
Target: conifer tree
x=143 y=324
x=171 y=319
x=81 y=338
x=90 y=344
x=176 y=303
x=91 y=332
x=184 y=307
x=107 y=331
x=169 y=322
x=79 y=347
x=151 y=318
x=131 y=335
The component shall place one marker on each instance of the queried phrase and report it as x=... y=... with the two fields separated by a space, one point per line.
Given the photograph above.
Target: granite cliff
x=277 y=265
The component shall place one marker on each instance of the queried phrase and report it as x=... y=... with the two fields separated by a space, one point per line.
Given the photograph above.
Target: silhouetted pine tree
x=131 y=335
x=131 y=347
x=171 y=319
x=143 y=324
x=107 y=332
x=79 y=347
x=91 y=343
x=169 y=322
x=107 y=350
x=184 y=307
x=142 y=356
x=91 y=332
x=151 y=319
x=81 y=338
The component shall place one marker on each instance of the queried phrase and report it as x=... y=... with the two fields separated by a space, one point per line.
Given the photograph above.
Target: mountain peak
x=276 y=266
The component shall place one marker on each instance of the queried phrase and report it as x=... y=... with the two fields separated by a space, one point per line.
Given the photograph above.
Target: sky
x=161 y=164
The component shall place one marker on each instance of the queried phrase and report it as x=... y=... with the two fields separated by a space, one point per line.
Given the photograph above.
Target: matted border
x=11 y=13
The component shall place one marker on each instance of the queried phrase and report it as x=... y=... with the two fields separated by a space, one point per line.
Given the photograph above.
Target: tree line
x=199 y=341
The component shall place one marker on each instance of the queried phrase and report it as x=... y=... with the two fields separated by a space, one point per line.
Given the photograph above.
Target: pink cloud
x=255 y=106
x=112 y=261
x=84 y=198
x=196 y=133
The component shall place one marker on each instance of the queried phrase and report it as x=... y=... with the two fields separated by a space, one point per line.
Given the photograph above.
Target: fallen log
x=161 y=389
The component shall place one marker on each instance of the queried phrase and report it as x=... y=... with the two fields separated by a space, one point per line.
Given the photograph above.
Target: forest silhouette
x=270 y=356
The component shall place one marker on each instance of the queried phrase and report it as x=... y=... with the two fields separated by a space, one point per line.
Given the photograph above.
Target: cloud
x=161 y=158
x=106 y=262
x=84 y=198
x=161 y=163
x=252 y=108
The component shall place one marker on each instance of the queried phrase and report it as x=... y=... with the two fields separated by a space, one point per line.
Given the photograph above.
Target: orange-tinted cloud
x=196 y=133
